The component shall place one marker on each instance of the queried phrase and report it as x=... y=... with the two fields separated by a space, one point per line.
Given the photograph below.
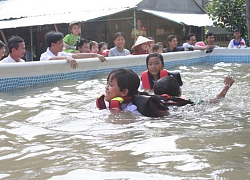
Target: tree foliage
x=229 y=14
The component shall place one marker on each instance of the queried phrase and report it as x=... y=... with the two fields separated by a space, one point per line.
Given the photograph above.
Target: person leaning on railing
x=54 y=51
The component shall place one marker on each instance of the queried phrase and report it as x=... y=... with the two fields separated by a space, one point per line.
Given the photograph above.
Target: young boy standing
x=238 y=41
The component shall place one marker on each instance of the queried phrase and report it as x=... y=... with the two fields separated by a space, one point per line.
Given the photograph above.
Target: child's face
x=76 y=29
x=119 y=42
x=94 y=48
x=237 y=35
x=160 y=50
x=154 y=66
x=112 y=89
x=104 y=47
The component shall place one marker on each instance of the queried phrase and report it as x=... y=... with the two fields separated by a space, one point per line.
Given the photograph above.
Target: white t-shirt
x=232 y=45
x=48 y=54
x=130 y=107
x=186 y=45
x=9 y=59
x=127 y=107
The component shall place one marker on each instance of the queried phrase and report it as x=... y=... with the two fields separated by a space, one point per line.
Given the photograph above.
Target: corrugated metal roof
x=184 y=18
x=21 y=13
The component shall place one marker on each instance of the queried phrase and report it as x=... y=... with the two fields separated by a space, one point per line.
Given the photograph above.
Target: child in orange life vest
x=122 y=85
x=70 y=40
x=155 y=65
x=168 y=85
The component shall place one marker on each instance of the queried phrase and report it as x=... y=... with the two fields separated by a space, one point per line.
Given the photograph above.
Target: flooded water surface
x=56 y=132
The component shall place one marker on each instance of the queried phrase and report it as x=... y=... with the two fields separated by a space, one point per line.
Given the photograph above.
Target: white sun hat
x=141 y=40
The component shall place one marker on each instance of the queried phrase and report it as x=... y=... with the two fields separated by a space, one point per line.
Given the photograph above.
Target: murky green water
x=56 y=132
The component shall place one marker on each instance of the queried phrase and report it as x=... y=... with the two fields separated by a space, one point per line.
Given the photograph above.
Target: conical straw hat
x=141 y=40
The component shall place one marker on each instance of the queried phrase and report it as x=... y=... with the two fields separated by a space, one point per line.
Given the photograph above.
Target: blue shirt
x=115 y=51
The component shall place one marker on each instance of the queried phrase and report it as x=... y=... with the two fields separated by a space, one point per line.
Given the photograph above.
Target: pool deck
x=18 y=75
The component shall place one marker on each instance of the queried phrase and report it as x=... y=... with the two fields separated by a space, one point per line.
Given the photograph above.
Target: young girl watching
x=93 y=45
x=155 y=66
x=103 y=49
x=169 y=85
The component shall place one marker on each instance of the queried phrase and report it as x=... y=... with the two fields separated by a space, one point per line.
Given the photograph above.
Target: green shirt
x=71 y=40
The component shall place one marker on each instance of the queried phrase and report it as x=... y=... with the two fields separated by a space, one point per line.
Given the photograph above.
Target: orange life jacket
x=114 y=104
x=145 y=78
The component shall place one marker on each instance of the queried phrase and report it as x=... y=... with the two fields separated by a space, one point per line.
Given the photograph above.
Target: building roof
x=21 y=13
x=183 y=18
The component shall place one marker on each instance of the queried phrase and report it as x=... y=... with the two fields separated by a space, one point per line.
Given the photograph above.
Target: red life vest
x=145 y=78
x=114 y=104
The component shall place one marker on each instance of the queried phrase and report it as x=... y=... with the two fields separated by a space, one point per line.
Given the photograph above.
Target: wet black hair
x=126 y=79
x=53 y=37
x=167 y=85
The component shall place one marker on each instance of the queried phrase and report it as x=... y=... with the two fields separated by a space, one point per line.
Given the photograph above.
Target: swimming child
x=155 y=66
x=122 y=85
x=168 y=85
x=70 y=40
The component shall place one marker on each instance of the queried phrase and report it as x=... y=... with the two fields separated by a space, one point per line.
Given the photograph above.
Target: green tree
x=248 y=17
x=229 y=14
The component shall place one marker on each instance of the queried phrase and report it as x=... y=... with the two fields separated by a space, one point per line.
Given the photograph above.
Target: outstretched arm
x=70 y=60
x=89 y=55
x=228 y=82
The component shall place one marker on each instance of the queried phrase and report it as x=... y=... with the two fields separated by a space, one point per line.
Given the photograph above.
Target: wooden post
x=31 y=44
x=4 y=38
x=248 y=20
x=56 y=27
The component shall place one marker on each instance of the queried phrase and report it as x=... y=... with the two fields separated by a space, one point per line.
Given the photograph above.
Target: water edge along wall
x=29 y=74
